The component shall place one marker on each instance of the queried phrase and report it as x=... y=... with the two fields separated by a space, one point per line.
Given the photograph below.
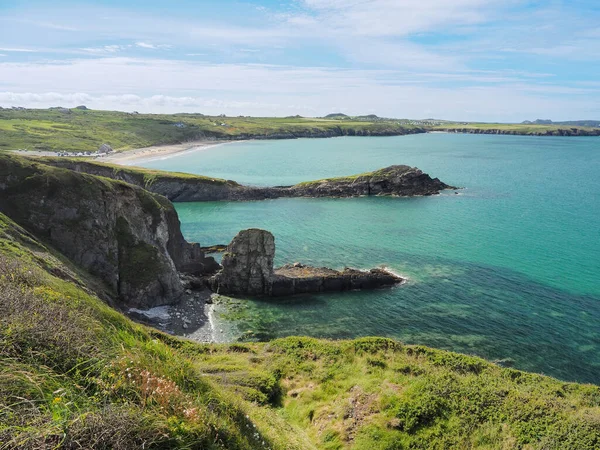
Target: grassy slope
x=146 y=176
x=76 y=374
x=80 y=130
x=87 y=130
x=149 y=176
x=510 y=127
x=347 y=179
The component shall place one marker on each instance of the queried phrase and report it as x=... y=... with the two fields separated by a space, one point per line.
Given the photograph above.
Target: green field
x=85 y=130
x=521 y=129
x=76 y=130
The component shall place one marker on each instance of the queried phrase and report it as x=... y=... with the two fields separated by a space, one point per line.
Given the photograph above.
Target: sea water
x=507 y=269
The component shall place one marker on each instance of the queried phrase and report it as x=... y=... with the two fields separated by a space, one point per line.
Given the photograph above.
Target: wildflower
x=57 y=400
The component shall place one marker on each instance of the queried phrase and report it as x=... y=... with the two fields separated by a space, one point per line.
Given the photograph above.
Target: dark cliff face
x=558 y=132
x=394 y=180
x=334 y=132
x=128 y=237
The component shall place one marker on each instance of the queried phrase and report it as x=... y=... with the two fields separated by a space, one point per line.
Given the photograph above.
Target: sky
x=472 y=60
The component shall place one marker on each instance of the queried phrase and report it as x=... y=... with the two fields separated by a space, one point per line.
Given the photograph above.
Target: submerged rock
x=248 y=270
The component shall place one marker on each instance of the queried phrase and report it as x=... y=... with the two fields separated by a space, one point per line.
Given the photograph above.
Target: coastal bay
x=506 y=269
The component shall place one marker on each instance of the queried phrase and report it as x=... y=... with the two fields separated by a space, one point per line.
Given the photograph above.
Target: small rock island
x=248 y=270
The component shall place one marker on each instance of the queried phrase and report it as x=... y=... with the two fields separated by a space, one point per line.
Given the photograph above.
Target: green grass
x=81 y=130
x=86 y=130
x=348 y=178
x=75 y=373
x=523 y=129
x=145 y=177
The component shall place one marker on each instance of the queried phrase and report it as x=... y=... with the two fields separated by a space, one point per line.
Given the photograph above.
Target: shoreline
x=137 y=155
x=144 y=154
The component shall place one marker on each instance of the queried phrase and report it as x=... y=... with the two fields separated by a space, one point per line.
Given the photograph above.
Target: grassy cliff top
x=518 y=128
x=384 y=172
x=149 y=176
x=86 y=130
x=75 y=373
x=76 y=130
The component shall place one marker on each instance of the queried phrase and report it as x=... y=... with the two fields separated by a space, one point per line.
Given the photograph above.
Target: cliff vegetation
x=75 y=373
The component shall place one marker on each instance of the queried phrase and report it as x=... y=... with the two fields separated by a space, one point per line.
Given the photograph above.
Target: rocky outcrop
x=400 y=180
x=124 y=235
x=299 y=279
x=248 y=271
x=337 y=131
x=396 y=180
x=247 y=265
x=177 y=187
x=572 y=131
x=105 y=149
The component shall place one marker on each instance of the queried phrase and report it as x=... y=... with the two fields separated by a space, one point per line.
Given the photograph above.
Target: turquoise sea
x=509 y=269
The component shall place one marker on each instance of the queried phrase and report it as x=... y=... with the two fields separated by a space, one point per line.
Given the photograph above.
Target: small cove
x=507 y=269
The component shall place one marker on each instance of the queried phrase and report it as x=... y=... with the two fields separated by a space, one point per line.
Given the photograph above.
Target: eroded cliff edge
x=397 y=180
x=122 y=234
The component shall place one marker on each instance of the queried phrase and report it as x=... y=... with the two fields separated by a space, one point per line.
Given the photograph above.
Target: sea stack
x=248 y=271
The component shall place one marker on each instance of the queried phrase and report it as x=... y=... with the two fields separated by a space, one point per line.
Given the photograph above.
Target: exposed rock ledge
x=571 y=131
x=397 y=180
x=248 y=270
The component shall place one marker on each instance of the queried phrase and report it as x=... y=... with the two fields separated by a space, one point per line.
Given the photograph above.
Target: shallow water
x=509 y=268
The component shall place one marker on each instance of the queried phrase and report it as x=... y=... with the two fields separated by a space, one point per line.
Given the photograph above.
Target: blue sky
x=488 y=60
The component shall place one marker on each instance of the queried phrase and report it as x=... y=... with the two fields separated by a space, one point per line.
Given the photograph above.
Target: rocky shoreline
x=130 y=241
x=397 y=180
x=571 y=131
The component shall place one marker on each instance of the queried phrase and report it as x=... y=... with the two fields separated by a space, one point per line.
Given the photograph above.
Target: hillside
x=85 y=130
x=579 y=123
x=524 y=129
x=79 y=130
x=75 y=373
x=183 y=187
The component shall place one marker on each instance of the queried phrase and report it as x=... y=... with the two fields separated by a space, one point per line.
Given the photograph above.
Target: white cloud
x=407 y=57
x=156 y=85
x=400 y=17
x=145 y=45
x=152 y=46
x=107 y=49
x=17 y=50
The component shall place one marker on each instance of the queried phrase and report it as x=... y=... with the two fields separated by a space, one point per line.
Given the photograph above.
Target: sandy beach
x=135 y=156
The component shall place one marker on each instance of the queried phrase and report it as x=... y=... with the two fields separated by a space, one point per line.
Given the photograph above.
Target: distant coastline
x=135 y=137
